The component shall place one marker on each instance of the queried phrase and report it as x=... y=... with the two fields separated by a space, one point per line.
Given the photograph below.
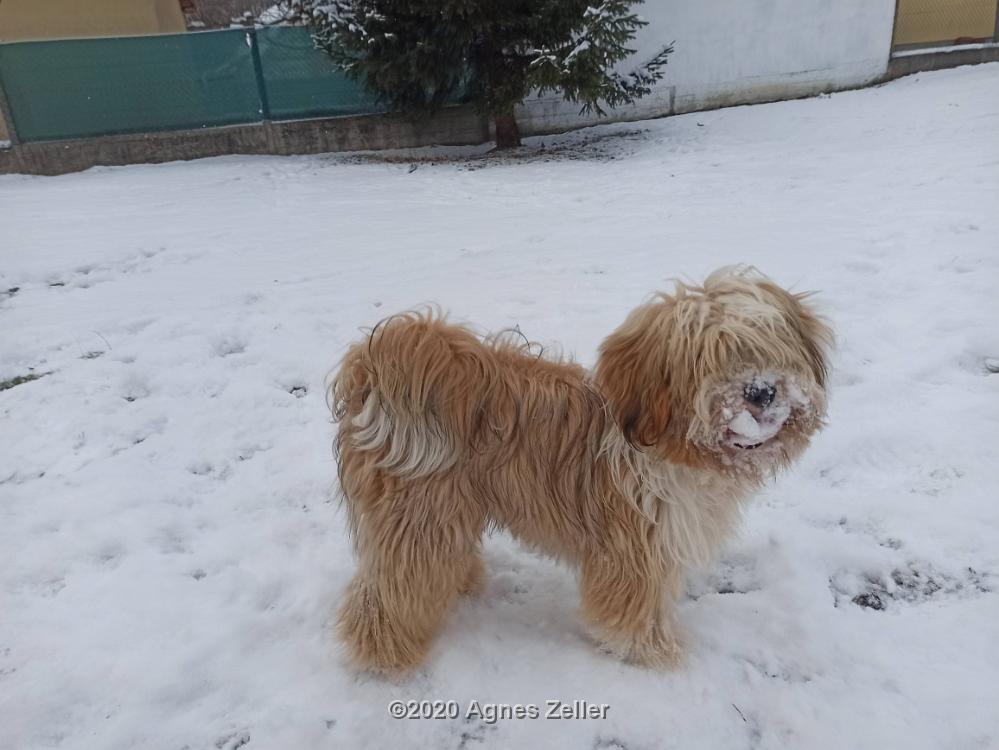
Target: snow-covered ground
x=170 y=552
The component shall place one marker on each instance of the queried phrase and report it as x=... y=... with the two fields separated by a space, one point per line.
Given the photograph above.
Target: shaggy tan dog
x=632 y=473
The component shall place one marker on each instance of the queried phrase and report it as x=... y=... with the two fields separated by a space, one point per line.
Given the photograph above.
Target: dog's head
x=730 y=375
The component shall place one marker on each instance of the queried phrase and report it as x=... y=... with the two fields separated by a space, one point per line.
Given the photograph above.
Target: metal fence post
x=258 y=70
x=7 y=116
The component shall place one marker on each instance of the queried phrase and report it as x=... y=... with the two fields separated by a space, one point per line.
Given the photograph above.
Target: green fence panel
x=83 y=87
x=301 y=81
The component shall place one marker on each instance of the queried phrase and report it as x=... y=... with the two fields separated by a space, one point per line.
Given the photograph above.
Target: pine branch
x=418 y=54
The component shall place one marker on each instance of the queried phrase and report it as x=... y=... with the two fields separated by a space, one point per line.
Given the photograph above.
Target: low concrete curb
x=450 y=127
x=939 y=58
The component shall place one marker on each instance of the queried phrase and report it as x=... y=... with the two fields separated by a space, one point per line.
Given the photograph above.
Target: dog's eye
x=760 y=395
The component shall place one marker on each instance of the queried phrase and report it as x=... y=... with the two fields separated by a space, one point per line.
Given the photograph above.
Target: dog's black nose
x=760 y=395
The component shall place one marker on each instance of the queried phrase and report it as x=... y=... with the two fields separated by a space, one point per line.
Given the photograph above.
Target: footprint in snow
x=134 y=388
x=228 y=346
x=914 y=583
x=736 y=574
x=233 y=741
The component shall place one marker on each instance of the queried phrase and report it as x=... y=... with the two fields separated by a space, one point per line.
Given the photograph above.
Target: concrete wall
x=452 y=126
x=743 y=51
x=22 y=20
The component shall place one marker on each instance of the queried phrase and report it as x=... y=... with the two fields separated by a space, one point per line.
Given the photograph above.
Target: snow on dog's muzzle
x=761 y=417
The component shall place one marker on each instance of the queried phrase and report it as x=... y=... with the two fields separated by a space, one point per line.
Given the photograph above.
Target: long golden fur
x=632 y=473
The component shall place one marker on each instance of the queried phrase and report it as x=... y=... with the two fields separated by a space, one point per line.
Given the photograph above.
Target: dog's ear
x=631 y=374
x=815 y=336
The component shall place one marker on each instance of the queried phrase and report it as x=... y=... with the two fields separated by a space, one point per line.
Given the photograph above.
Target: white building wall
x=744 y=51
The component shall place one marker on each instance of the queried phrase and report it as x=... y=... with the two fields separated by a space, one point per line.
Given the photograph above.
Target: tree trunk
x=507 y=132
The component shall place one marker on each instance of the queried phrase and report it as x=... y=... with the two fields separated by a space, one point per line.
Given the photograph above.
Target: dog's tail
x=411 y=392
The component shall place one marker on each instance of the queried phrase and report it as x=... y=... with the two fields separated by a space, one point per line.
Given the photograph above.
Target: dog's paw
x=657 y=649
x=375 y=641
x=475 y=579
x=660 y=652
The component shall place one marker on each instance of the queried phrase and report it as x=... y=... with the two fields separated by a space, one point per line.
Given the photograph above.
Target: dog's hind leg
x=417 y=552
x=628 y=600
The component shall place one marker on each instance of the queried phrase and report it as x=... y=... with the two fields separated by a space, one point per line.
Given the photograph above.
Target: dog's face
x=729 y=376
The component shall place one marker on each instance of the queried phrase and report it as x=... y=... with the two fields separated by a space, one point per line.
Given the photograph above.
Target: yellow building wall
x=933 y=21
x=22 y=20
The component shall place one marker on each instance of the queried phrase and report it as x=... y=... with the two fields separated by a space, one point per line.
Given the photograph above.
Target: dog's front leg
x=628 y=599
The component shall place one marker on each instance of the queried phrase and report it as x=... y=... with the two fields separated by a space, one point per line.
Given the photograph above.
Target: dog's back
x=422 y=394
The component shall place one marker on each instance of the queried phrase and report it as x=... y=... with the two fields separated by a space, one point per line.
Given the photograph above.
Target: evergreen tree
x=418 y=55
